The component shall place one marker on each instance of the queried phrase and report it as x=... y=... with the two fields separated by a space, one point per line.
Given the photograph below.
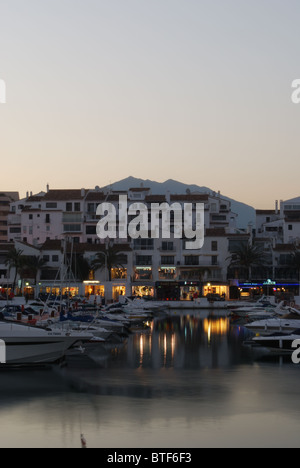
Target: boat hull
x=36 y=351
x=31 y=345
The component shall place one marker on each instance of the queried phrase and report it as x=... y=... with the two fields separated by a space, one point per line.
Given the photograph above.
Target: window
x=77 y=207
x=144 y=260
x=51 y=205
x=285 y=259
x=290 y=227
x=219 y=217
x=91 y=208
x=69 y=206
x=30 y=216
x=191 y=260
x=168 y=260
x=168 y=246
x=214 y=260
x=71 y=218
x=143 y=244
x=46 y=258
x=91 y=230
x=72 y=227
x=214 y=246
x=47 y=221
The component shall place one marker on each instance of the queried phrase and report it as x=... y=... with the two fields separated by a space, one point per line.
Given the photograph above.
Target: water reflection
x=186 y=381
x=185 y=342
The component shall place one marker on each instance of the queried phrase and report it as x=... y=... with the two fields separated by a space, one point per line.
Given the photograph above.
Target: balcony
x=167 y=273
x=143 y=274
x=72 y=228
x=72 y=218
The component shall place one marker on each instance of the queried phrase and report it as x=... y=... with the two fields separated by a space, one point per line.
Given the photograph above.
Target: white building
x=282 y=224
x=164 y=268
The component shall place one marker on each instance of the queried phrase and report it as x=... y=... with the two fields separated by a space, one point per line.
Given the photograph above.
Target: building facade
x=6 y=198
x=55 y=220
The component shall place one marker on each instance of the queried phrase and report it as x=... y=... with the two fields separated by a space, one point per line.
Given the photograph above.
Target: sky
x=193 y=90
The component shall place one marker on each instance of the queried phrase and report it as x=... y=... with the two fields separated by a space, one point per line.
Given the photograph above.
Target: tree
x=247 y=256
x=110 y=258
x=80 y=267
x=31 y=266
x=15 y=260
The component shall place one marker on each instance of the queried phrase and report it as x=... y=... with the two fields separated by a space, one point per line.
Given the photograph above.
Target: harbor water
x=186 y=380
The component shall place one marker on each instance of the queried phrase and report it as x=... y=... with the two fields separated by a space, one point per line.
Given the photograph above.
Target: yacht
x=276 y=342
x=274 y=324
x=27 y=345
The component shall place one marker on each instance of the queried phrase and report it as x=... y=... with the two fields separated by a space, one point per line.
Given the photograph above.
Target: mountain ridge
x=246 y=213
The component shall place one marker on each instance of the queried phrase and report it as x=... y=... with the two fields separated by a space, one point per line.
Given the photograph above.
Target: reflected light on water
x=220 y=326
x=186 y=381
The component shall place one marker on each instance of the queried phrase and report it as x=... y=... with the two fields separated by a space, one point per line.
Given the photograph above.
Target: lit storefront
x=94 y=288
x=189 y=290
x=118 y=291
x=118 y=273
x=143 y=291
x=216 y=288
x=70 y=291
x=268 y=287
x=142 y=284
x=28 y=290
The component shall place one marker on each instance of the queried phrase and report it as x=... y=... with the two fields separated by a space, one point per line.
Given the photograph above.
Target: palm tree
x=109 y=259
x=80 y=267
x=32 y=265
x=247 y=256
x=15 y=260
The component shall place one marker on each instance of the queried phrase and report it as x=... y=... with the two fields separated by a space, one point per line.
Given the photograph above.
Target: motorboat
x=279 y=342
x=96 y=330
x=27 y=345
x=262 y=302
x=271 y=309
x=274 y=324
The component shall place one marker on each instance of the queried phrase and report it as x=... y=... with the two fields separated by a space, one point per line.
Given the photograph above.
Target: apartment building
x=56 y=214
x=6 y=198
x=282 y=224
x=163 y=268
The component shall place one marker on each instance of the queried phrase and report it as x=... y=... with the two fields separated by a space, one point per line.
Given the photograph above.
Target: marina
x=149 y=227
x=179 y=378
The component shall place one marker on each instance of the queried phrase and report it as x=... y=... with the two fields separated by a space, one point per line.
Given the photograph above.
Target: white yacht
x=273 y=325
x=32 y=345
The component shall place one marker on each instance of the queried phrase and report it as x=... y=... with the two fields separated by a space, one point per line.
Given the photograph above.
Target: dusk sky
x=193 y=90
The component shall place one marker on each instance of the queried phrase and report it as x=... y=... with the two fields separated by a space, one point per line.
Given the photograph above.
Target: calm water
x=186 y=382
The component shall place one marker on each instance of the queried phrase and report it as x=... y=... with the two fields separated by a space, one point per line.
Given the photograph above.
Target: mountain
x=246 y=213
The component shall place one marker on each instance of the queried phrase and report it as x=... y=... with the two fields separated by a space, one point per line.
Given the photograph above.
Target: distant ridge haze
x=246 y=213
